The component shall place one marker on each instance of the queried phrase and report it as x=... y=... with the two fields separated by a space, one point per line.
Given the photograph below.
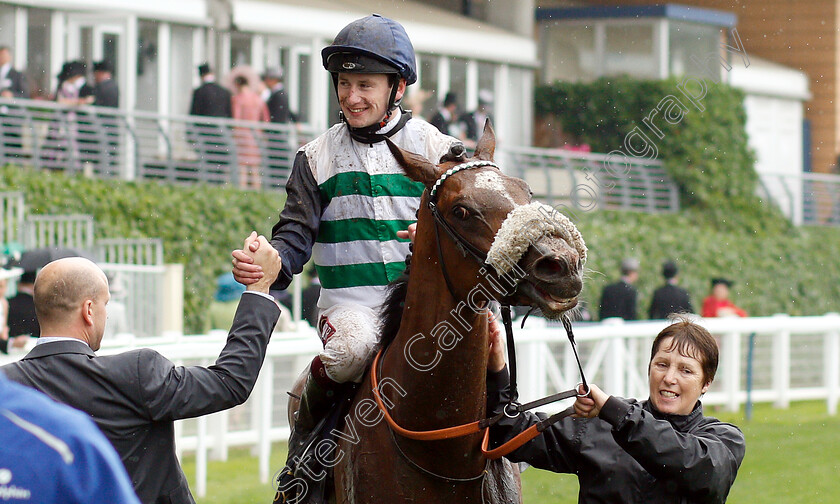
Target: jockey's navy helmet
x=373 y=44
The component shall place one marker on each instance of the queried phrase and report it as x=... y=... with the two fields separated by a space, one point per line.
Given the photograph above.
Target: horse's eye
x=461 y=213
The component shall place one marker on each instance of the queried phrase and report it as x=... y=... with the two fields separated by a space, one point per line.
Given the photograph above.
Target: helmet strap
x=368 y=134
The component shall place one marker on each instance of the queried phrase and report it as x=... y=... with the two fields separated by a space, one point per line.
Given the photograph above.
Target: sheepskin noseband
x=528 y=224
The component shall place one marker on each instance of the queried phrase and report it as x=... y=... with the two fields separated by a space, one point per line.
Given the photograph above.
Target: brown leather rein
x=483 y=424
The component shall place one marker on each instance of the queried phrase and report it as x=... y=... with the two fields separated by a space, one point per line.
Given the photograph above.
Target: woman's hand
x=590 y=405
x=496 y=359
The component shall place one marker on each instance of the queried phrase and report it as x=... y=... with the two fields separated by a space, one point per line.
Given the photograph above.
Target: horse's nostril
x=549 y=267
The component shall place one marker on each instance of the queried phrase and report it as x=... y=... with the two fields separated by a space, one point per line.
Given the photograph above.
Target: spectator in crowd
x=718 y=304
x=663 y=449
x=222 y=310
x=619 y=298
x=13 y=83
x=23 y=321
x=247 y=106
x=73 y=88
x=278 y=100
x=20 y=341
x=371 y=62
x=473 y=122
x=136 y=396
x=106 y=93
x=210 y=139
x=210 y=99
x=670 y=298
x=52 y=453
x=447 y=114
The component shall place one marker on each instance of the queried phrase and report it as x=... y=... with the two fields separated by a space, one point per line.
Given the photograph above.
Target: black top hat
x=721 y=281
x=204 y=69
x=669 y=269
x=72 y=69
x=103 y=66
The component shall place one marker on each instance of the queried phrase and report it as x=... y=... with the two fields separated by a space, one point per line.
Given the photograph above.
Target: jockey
x=347 y=197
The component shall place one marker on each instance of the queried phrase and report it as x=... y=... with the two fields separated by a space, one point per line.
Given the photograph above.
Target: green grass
x=793 y=456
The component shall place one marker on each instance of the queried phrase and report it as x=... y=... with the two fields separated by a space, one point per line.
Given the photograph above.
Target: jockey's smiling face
x=364 y=97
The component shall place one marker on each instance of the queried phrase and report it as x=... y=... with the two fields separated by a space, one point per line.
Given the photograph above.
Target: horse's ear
x=486 y=144
x=416 y=166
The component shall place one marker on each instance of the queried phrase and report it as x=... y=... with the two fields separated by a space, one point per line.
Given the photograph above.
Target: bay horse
x=433 y=364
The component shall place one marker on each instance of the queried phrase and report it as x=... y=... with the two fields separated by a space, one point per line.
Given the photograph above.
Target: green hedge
x=794 y=272
x=199 y=225
x=706 y=153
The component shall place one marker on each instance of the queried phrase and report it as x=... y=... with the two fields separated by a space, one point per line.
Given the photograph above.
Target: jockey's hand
x=590 y=405
x=408 y=233
x=496 y=359
x=266 y=257
x=244 y=269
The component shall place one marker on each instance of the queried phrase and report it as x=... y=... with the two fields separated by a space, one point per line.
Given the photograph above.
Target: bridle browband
x=462 y=243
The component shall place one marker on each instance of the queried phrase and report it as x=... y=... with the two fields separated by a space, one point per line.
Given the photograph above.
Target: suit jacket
x=618 y=300
x=107 y=94
x=669 y=299
x=16 y=84
x=135 y=397
x=22 y=318
x=278 y=107
x=211 y=99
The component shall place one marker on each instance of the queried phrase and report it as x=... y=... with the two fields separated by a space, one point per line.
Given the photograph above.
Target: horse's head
x=527 y=253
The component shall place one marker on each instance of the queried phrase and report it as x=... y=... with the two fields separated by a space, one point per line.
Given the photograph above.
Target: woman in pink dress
x=247 y=106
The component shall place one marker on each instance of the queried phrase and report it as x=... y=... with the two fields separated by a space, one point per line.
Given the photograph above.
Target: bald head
x=63 y=286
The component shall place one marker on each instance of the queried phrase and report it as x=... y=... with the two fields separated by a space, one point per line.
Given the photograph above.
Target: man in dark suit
x=278 y=101
x=22 y=318
x=212 y=142
x=619 y=299
x=670 y=298
x=106 y=93
x=12 y=83
x=210 y=99
x=135 y=397
x=446 y=115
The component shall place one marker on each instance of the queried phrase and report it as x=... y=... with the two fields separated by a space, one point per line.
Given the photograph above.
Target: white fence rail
x=796 y=358
x=11 y=217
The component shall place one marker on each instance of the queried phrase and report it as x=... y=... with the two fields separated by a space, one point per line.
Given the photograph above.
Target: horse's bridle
x=513 y=408
x=463 y=244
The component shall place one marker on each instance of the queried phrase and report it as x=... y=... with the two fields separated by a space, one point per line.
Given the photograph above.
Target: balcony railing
x=109 y=143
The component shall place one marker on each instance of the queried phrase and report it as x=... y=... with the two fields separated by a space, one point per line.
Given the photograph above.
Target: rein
x=513 y=408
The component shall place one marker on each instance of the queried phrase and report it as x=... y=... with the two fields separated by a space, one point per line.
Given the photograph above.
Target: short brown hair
x=690 y=340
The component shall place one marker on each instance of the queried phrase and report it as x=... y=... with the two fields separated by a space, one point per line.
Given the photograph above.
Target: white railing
x=796 y=358
x=70 y=231
x=11 y=217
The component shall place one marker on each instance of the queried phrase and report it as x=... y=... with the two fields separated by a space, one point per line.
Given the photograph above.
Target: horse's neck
x=439 y=356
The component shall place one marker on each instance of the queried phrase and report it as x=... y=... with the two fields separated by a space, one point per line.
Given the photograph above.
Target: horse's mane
x=392 y=310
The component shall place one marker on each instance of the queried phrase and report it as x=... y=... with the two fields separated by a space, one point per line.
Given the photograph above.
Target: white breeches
x=350 y=334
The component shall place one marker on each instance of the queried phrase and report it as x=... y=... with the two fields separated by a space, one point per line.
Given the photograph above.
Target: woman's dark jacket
x=631 y=453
